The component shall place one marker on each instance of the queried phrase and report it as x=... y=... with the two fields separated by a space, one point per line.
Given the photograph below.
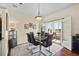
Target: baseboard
x=22 y=43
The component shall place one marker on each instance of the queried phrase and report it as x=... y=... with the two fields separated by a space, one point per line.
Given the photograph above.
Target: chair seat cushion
x=45 y=45
x=36 y=43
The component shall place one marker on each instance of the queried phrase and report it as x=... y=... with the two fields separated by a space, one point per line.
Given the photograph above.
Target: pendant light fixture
x=38 y=17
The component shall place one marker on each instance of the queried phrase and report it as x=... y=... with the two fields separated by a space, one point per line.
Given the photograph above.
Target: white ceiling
x=45 y=8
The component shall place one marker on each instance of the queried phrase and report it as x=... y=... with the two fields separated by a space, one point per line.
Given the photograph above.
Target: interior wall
x=0 y=37
x=4 y=41
x=72 y=11
x=20 y=19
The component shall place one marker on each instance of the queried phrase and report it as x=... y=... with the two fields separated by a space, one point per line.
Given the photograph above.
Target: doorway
x=55 y=28
x=61 y=30
x=3 y=33
x=0 y=36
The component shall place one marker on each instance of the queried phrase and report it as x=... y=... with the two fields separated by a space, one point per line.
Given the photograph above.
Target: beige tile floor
x=22 y=50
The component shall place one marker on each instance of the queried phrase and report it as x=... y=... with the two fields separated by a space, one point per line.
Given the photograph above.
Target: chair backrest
x=32 y=37
x=29 y=37
x=48 y=41
x=34 y=42
x=42 y=33
x=46 y=34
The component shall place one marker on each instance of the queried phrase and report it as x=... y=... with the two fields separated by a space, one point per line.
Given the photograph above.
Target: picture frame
x=26 y=26
x=30 y=25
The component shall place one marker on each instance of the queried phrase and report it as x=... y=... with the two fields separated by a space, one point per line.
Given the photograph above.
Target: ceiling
x=32 y=8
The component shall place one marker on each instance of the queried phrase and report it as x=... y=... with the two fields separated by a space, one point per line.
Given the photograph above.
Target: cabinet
x=75 y=43
x=12 y=38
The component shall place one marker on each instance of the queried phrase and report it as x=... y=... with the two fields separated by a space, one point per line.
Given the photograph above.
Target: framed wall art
x=26 y=26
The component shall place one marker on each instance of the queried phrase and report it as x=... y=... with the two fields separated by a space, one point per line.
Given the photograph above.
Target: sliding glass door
x=55 y=28
x=61 y=30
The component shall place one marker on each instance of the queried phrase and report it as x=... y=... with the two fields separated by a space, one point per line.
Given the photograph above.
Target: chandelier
x=38 y=17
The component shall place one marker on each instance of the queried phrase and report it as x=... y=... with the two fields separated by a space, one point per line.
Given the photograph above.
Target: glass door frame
x=61 y=37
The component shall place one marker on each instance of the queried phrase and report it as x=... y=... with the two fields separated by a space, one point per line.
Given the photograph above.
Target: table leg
x=40 y=49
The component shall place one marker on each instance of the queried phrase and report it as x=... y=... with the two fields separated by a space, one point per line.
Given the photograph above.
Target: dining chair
x=48 y=43
x=34 y=42
x=29 y=40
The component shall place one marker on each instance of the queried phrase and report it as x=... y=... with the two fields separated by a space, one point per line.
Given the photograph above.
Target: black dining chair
x=34 y=42
x=29 y=37
x=46 y=34
x=48 y=42
x=29 y=41
x=42 y=33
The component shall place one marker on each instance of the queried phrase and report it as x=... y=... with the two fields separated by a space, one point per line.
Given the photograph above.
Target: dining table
x=40 y=39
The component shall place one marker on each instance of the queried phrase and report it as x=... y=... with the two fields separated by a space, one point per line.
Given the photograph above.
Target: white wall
x=20 y=19
x=71 y=11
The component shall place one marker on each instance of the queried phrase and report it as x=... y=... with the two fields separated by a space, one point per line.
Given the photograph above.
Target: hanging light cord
x=38 y=9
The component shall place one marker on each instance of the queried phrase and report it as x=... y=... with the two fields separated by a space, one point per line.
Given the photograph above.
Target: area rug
x=24 y=50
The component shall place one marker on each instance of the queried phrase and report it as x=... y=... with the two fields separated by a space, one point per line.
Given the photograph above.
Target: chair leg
x=49 y=51
x=49 y=48
x=40 y=52
x=32 y=51
x=44 y=53
x=30 y=46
